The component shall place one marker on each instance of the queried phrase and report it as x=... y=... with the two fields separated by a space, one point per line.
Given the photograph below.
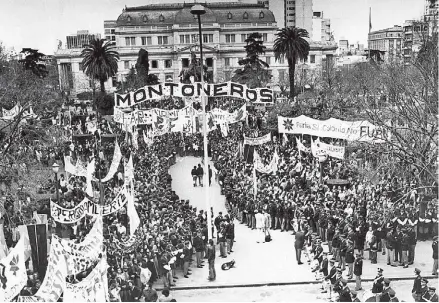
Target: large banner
x=266 y=169
x=13 y=271
x=257 y=141
x=87 y=207
x=137 y=117
x=81 y=256
x=55 y=279
x=363 y=131
x=320 y=148
x=231 y=89
x=117 y=156
x=90 y=289
x=79 y=169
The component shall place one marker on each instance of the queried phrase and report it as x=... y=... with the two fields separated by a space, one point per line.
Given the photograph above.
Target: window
x=80 y=66
x=245 y=16
x=312 y=59
x=265 y=37
x=281 y=60
x=185 y=62
x=229 y=15
x=169 y=77
x=129 y=19
x=209 y=62
x=126 y=64
x=168 y=63
x=143 y=40
x=261 y=15
x=208 y=38
x=268 y=60
x=230 y=38
x=161 y=18
x=194 y=38
x=243 y=37
x=113 y=38
x=181 y=39
x=145 y=19
x=130 y=41
x=281 y=75
x=162 y=40
x=154 y=64
x=113 y=31
x=226 y=61
x=148 y=40
x=114 y=81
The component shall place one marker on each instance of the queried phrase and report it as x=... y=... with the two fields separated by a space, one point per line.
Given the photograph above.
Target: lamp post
x=55 y=169
x=198 y=10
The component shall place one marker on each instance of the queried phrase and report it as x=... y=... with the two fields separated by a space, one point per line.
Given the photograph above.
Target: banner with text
x=13 y=270
x=231 y=89
x=363 y=131
x=257 y=141
x=321 y=148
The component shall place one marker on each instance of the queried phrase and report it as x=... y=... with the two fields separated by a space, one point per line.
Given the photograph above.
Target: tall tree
x=100 y=60
x=292 y=45
x=254 y=71
x=35 y=61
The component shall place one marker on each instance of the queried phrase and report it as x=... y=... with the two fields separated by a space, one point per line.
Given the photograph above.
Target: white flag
x=132 y=214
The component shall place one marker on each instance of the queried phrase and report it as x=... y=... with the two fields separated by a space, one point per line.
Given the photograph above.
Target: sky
x=40 y=23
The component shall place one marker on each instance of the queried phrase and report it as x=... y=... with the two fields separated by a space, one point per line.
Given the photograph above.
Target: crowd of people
x=342 y=220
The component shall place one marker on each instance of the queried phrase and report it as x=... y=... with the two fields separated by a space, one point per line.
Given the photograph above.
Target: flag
x=38 y=243
x=370 y=19
x=3 y=247
x=132 y=214
x=255 y=183
x=285 y=139
x=22 y=229
x=90 y=171
x=224 y=129
x=129 y=169
x=13 y=269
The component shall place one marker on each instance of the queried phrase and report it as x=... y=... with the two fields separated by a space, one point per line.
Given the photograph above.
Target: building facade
x=169 y=32
x=389 y=41
x=81 y=38
x=321 y=28
x=110 y=30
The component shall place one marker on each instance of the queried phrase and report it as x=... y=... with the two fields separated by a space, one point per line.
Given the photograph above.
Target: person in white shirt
x=260 y=223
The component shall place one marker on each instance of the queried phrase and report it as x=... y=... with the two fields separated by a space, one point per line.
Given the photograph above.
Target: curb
x=281 y=283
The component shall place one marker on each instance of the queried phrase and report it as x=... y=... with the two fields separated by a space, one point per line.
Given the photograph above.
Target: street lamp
x=198 y=10
x=55 y=169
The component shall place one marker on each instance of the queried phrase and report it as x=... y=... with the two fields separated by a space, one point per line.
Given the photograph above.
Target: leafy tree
x=100 y=60
x=194 y=70
x=292 y=45
x=35 y=61
x=254 y=71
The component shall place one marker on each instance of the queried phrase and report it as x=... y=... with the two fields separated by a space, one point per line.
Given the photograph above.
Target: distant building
x=343 y=46
x=321 y=28
x=414 y=33
x=387 y=40
x=110 y=30
x=81 y=38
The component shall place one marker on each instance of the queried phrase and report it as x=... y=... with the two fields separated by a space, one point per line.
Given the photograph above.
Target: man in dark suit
x=324 y=264
x=211 y=260
x=298 y=245
x=416 y=290
x=134 y=292
x=377 y=286
x=358 y=271
x=331 y=277
x=385 y=297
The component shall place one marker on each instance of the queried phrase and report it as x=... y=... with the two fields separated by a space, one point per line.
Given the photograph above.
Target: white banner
x=137 y=117
x=55 y=279
x=117 y=156
x=81 y=255
x=87 y=207
x=321 y=148
x=266 y=169
x=79 y=169
x=257 y=141
x=13 y=269
x=302 y=147
x=363 y=131
x=90 y=289
x=132 y=215
x=257 y=95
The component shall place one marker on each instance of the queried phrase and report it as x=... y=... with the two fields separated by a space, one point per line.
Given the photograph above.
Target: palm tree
x=290 y=44
x=99 y=60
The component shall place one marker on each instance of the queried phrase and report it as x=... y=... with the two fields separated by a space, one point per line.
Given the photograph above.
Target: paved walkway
x=266 y=263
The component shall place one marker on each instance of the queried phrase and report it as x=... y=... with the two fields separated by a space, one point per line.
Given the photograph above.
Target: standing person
x=377 y=287
x=260 y=224
x=350 y=258
x=200 y=174
x=412 y=246
x=199 y=248
x=298 y=245
x=222 y=240
x=417 y=289
x=210 y=176
x=358 y=271
x=390 y=244
x=211 y=260
x=230 y=234
x=434 y=245
x=150 y=294
x=194 y=173
x=405 y=243
x=217 y=223
x=186 y=259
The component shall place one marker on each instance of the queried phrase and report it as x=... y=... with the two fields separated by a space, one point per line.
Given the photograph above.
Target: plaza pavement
x=266 y=263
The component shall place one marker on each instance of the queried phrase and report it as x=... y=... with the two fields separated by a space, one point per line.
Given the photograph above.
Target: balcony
x=131 y=29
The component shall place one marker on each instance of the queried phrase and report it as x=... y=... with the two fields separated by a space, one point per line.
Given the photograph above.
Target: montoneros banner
x=363 y=131
x=231 y=89
x=257 y=141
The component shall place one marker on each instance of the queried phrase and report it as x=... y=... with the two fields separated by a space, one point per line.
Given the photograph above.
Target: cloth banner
x=38 y=242
x=22 y=229
x=54 y=282
x=117 y=156
x=363 y=131
x=90 y=171
x=132 y=215
x=137 y=117
x=90 y=289
x=135 y=136
x=221 y=116
x=302 y=147
x=320 y=148
x=129 y=170
x=266 y=169
x=3 y=247
x=231 y=89
x=87 y=207
x=81 y=256
x=12 y=113
x=131 y=244
x=13 y=270
x=257 y=141
x=145 y=275
x=79 y=169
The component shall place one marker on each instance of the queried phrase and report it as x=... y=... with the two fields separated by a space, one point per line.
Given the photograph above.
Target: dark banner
x=38 y=243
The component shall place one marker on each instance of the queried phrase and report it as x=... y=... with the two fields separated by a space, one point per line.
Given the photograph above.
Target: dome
x=184 y=16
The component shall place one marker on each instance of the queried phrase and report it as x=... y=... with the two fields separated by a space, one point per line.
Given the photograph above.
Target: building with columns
x=169 y=32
